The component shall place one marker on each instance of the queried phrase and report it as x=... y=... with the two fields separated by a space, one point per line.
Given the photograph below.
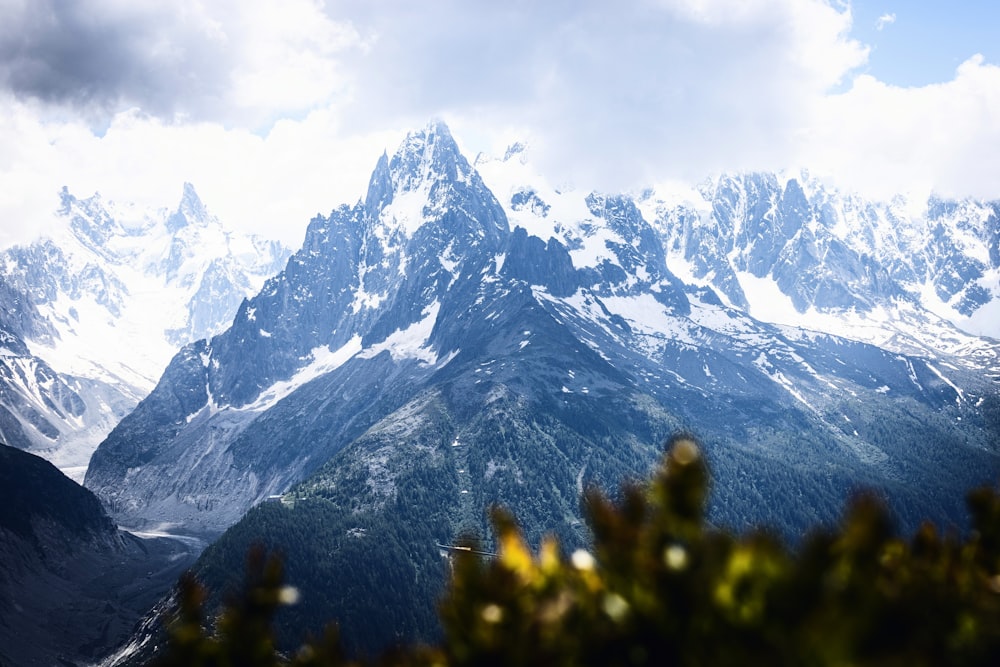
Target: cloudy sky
x=278 y=110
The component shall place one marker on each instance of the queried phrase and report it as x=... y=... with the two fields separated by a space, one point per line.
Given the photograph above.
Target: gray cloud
x=580 y=73
x=98 y=57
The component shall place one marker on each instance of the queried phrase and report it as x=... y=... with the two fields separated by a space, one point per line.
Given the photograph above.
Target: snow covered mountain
x=907 y=274
x=521 y=340
x=109 y=298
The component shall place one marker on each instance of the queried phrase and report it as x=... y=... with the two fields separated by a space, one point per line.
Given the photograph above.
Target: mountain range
x=426 y=285
x=470 y=334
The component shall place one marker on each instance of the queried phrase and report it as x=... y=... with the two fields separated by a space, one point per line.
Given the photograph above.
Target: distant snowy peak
x=116 y=289
x=786 y=247
x=104 y=264
x=100 y=225
x=832 y=252
x=532 y=202
x=190 y=211
x=609 y=246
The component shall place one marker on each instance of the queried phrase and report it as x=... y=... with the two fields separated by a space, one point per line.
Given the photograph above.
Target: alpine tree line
x=661 y=586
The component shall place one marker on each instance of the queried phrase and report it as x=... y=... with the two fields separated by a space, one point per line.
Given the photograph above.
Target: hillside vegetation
x=660 y=586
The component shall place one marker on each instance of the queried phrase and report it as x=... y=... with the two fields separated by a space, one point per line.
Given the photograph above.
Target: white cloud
x=270 y=184
x=288 y=57
x=278 y=111
x=884 y=20
x=730 y=88
x=614 y=93
x=883 y=139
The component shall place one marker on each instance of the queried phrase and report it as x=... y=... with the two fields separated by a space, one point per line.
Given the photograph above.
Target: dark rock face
x=32 y=490
x=72 y=584
x=641 y=261
x=34 y=399
x=532 y=260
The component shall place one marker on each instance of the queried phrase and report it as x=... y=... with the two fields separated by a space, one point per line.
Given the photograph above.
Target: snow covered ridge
x=117 y=289
x=788 y=249
x=831 y=252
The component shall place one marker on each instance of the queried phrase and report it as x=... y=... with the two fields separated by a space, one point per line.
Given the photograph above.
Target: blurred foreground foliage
x=661 y=587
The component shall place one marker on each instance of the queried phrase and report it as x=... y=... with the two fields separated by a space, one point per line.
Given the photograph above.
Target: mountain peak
x=190 y=210
x=515 y=149
x=66 y=200
x=426 y=177
x=379 y=187
x=425 y=156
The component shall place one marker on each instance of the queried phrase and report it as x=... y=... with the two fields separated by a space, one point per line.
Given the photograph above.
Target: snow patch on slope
x=411 y=342
x=324 y=360
x=549 y=211
x=649 y=317
x=93 y=343
x=768 y=303
x=897 y=327
x=765 y=367
x=405 y=213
